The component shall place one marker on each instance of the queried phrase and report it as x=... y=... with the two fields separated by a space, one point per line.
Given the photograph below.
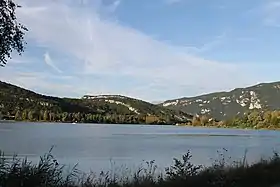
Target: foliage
x=20 y=104
x=253 y=119
x=182 y=169
x=48 y=172
x=11 y=31
x=257 y=120
x=227 y=105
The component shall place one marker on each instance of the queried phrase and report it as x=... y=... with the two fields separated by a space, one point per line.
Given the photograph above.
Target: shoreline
x=145 y=124
x=225 y=127
x=182 y=172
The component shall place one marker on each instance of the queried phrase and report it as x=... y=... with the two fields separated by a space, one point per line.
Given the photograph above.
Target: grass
x=15 y=172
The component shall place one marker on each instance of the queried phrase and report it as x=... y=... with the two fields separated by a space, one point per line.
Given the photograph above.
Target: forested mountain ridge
x=13 y=98
x=23 y=104
x=226 y=105
x=126 y=105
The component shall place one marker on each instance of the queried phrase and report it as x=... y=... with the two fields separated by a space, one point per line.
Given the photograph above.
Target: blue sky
x=149 y=49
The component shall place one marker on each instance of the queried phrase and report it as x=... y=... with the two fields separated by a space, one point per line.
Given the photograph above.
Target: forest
x=255 y=119
x=65 y=117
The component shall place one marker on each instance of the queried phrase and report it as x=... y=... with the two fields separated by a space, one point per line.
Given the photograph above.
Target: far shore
x=180 y=125
x=229 y=127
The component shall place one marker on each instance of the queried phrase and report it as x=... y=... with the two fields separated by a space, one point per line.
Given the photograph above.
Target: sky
x=148 y=49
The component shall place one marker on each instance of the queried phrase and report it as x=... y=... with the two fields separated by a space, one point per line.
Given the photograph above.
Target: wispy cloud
x=19 y=60
x=49 y=62
x=272 y=13
x=269 y=12
x=41 y=82
x=106 y=56
x=170 y=2
x=208 y=46
x=115 y=5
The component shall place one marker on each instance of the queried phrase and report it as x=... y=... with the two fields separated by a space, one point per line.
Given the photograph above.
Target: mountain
x=23 y=104
x=119 y=104
x=14 y=98
x=126 y=105
x=225 y=105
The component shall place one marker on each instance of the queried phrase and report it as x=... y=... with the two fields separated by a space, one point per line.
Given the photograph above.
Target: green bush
x=15 y=172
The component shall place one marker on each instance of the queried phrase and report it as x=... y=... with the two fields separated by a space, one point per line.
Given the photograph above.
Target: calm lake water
x=97 y=146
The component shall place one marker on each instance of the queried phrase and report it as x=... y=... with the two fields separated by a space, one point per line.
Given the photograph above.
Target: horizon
x=153 y=51
x=116 y=94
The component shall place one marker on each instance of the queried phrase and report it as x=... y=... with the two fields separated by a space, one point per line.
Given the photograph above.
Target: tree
x=41 y=115
x=51 y=116
x=253 y=118
x=204 y=120
x=46 y=116
x=11 y=32
x=274 y=121
x=77 y=117
x=24 y=115
x=18 y=115
x=64 y=116
x=267 y=117
x=196 y=121
x=30 y=115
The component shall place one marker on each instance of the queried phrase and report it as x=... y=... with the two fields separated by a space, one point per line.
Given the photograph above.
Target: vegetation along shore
x=48 y=172
x=24 y=105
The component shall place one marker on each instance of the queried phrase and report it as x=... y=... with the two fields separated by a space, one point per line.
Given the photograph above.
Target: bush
x=15 y=172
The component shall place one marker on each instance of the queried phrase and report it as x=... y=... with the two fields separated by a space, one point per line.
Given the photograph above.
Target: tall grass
x=16 y=172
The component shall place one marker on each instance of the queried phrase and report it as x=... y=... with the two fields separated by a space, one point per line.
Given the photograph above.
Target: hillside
x=13 y=98
x=225 y=105
x=126 y=105
x=22 y=104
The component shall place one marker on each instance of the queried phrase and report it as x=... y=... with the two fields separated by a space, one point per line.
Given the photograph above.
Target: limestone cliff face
x=225 y=105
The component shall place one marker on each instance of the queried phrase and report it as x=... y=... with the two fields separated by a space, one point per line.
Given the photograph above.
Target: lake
x=98 y=146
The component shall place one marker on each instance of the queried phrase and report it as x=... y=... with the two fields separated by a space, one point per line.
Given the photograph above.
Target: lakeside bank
x=49 y=173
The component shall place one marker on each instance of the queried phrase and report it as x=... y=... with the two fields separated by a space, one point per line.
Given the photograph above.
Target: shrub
x=15 y=172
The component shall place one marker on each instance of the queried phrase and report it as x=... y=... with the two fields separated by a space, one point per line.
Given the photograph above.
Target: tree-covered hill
x=22 y=104
x=226 y=105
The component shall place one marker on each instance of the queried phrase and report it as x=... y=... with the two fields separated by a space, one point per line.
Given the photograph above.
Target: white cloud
x=49 y=62
x=113 y=7
x=272 y=13
x=208 y=46
x=38 y=82
x=103 y=47
x=19 y=60
x=171 y=2
x=269 y=12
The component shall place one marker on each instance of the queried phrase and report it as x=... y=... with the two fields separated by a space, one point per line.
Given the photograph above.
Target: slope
x=14 y=99
x=225 y=105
